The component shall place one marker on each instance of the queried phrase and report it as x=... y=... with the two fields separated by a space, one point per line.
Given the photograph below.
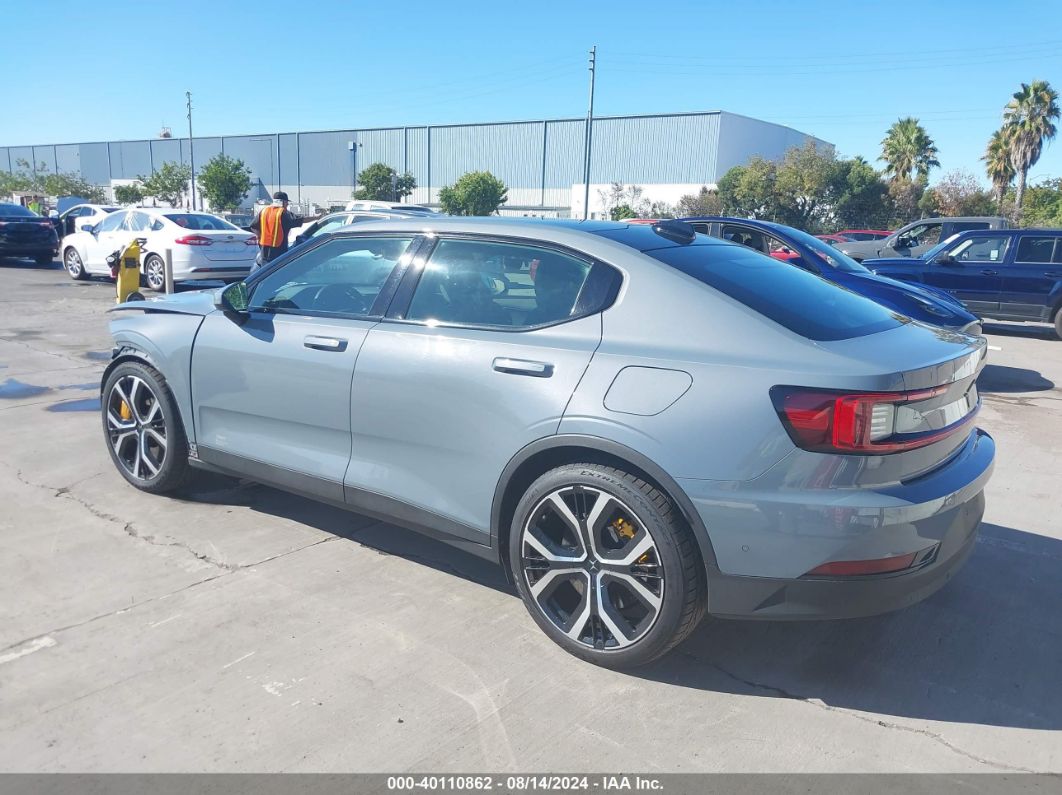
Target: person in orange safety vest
x=272 y=226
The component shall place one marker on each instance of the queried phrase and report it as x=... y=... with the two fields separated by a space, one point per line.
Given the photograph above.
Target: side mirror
x=232 y=299
x=944 y=258
x=90 y=228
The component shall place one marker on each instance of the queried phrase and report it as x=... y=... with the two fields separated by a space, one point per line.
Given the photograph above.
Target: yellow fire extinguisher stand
x=127 y=278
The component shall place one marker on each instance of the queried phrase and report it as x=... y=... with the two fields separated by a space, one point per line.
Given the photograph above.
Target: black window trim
x=383 y=298
x=411 y=278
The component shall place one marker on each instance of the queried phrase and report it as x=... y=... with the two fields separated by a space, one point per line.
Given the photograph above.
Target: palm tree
x=908 y=150
x=997 y=163
x=1029 y=118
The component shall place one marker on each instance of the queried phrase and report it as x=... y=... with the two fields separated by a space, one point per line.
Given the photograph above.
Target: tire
x=1058 y=323
x=637 y=589
x=73 y=264
x=43 y=259
x=145 y=438
x=155 y=273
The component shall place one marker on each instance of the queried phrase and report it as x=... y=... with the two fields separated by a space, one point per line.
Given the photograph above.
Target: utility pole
x=191 y=153
x=589 y=137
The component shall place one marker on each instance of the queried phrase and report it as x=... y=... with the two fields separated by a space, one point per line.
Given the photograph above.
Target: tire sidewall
x=660 y=635
x=175 y=466
x=80 y=264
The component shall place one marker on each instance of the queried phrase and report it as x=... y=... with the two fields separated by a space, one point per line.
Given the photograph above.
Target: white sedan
x=203 y=245
x=81 y=215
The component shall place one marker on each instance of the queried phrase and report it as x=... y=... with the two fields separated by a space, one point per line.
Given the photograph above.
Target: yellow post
x=128 y=279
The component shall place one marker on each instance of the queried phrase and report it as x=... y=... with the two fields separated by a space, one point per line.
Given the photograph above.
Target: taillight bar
x=826 y=421
x=194 y=240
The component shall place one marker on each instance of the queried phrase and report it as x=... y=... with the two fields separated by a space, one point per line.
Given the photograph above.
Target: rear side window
x=965 y=226
x=792 y=297
x=1035 y=249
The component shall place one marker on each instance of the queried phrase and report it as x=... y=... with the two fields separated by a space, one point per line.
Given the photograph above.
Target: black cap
x=280 y=196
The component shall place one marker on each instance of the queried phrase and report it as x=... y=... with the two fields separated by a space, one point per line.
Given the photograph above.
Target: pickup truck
x=1005 y=274
x=918 y=237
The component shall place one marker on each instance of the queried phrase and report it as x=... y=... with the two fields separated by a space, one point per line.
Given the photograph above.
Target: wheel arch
x=128 y=353
x=545 y=454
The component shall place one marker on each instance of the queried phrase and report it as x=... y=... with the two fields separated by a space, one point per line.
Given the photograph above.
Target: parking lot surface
x=243 y=629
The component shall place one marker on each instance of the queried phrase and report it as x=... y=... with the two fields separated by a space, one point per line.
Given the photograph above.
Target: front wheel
x=155 y=273
x=606 y=566
x=143 y=430
x=73 y=264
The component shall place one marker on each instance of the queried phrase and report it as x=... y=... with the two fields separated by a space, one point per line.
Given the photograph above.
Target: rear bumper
x=212 y=271
x=29 y=249
x=771 y=541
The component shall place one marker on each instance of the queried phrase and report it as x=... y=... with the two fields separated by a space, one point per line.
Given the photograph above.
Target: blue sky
x=842 y=71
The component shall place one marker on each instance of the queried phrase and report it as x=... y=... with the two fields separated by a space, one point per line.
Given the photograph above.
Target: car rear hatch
x=22 y=231
x=921 y=413
x=223 y=246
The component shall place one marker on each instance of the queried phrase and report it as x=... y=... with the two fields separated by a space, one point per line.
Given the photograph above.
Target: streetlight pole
x=191 y=148
x=588 y=142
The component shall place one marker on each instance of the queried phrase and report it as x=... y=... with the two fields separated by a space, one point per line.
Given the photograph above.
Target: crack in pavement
x=40 y=350
x=783 y=693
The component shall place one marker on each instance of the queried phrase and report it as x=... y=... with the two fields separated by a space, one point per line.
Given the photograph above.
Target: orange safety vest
x=271 y=231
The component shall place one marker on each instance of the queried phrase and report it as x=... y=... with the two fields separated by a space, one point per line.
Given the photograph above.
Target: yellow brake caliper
x=125 y=412
x=625 y=530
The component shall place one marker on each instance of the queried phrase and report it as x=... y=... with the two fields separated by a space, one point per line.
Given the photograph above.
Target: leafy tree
x=805 y=187
x=621 y=212
x=998 y=166
x=749 y=190
x=658 y=209
x=128 y=194
x=1043 y=204
x=9 y=182
x=475 y=193
x=957 y=193
x=908 y=151
x=380 y=182
x=704 y=202
x=224 y=182
x=1029 y=120
x=862 y=197
x=168 y=183
x=904 y=197
x=65 y=183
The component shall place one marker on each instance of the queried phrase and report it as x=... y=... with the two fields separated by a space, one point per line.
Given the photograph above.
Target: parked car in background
x=242 y=220
x=800 y=249
x=23 y=233
x=81 y=215
x=1006 y=274
x=366 y=204
x=333 y=221
x=832 y=240
x=203 y=245
x=661 y=417
x=917 y=238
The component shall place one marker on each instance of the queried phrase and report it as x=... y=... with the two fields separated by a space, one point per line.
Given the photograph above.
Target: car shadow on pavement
x=387 y=539
x=985 y=649
x=1000 y=378
x=30 y=265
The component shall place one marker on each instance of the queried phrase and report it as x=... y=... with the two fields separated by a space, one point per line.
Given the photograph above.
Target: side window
x=342 y=276
x=112 y=222
x=966 y=226
x=987 y=248
x=701 y=228
x=1034 y=249
x=746 y=236
x=924 y=235
x=478 y=283
x=329 y=226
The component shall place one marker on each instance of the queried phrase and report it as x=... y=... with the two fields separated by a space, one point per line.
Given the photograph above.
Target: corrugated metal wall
x=540 y=161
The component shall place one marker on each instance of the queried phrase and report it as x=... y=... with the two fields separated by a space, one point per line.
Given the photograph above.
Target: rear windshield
x=16 y=209
x=198 y=221
x=790 y=296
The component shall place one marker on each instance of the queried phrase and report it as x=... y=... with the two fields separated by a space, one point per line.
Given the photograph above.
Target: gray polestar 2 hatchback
x=639 y=423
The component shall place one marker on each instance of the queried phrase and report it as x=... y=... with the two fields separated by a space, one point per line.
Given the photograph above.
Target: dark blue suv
x=1006 y=274
x=919 y=302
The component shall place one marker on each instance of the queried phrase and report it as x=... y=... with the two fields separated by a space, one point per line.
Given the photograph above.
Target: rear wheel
x=43 y=259
x=143 y=429
x=1058 y=323
x=73 y=264
x=155 y=273
x=606 y=566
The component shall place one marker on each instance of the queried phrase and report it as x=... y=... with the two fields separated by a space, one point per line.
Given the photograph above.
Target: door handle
x=1052 y=274
x=325 y=343
x=523 y=367
x=988 y=272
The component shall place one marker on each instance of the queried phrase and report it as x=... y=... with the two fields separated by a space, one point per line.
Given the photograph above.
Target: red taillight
x=194 y=240
x=845 y=422
x=854 y=568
